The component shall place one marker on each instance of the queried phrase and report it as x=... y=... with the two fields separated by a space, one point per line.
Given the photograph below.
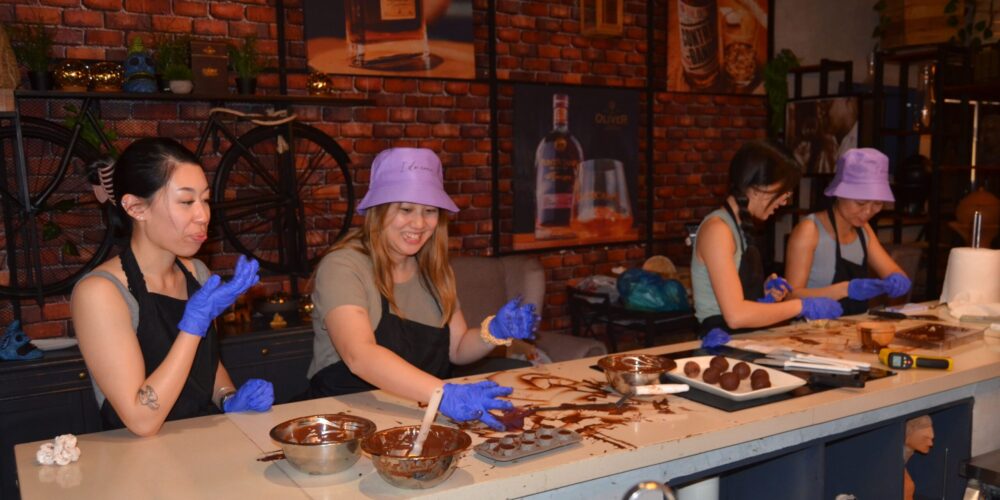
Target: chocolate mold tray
x=515 y=446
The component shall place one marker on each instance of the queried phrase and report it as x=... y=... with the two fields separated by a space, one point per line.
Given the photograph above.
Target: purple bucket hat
x=862 y=174
x=412 y=175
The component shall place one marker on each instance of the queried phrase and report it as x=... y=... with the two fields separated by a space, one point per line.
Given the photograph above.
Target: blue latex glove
x=767 y=299
x=714 y=338
x=896 y=285
x=777 y=283
x=254 y=395
x=864 y=289
x=214 y=297
x=820 y=308
x=515 y=321
x=461 y=402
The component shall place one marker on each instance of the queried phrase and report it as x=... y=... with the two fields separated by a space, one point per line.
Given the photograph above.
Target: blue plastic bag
x=648 y=291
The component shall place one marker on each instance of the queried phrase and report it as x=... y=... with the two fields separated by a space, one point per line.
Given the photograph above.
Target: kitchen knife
x=790 y=355
x=803 y=366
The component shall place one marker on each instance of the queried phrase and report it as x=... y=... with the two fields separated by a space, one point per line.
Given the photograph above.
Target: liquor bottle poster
x=424 y=38
x=576 y=166
x=717 y=46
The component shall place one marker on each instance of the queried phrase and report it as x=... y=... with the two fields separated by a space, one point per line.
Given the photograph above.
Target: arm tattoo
x=147 y=397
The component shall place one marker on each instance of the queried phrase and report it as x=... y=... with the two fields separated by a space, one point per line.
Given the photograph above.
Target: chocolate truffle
x=691 y=369
x=742 y=370
x=719 y=362
x=711 y=375
x=760 y=373
x=729 y=381
x=760 y=383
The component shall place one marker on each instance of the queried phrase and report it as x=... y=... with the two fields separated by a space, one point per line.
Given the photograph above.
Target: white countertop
x=215 y=457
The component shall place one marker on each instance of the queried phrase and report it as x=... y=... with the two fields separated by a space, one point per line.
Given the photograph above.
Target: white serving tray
x=781 y=382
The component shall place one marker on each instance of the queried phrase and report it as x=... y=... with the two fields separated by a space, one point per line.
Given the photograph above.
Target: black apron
x=847 y=270
x=751 y=273
x=423 y=346
x=157 y=330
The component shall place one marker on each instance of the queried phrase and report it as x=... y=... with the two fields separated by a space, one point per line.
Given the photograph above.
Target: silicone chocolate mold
x=515 y=446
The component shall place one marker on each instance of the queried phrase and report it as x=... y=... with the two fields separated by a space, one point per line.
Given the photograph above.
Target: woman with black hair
x=144 y=318
x=726 y=267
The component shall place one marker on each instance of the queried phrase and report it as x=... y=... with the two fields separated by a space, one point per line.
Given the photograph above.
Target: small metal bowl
x=322 y=444
x=626 y=371
x=389 y=449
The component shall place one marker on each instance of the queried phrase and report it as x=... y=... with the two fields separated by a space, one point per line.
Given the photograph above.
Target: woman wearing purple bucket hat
x=821 y=265
x=386 y=314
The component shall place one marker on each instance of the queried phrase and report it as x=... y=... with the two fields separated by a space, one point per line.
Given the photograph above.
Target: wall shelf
x=343 y=100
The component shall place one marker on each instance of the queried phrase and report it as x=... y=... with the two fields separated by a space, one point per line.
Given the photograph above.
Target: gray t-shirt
x=346 y=277
x=824 y=263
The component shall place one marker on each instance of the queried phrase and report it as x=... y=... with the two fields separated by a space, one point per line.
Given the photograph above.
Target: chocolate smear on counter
x=663 y=406
x=593 y=423
x=272 y=456
x=804 y=340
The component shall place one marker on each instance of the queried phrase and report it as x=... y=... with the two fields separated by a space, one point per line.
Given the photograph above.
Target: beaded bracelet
x=484 y=332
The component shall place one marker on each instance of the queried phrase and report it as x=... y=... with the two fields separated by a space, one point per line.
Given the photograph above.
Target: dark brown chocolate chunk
x=711 y=375
x=729 y=381
x=760 y=383
x=719 y=362
x=742 y=370
x=691 y=369
x=667 y=364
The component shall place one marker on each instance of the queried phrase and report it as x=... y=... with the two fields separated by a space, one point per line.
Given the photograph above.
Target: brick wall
x=694 y=136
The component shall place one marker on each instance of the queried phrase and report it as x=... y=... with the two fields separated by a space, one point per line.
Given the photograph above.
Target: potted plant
x=179 y=78
x=776 y=85
x=32 y=46
x=173 y=55
x=246 y=61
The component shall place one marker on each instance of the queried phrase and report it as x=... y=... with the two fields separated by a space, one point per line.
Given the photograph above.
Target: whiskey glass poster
x=576 y=165
x=717 y=46
x=429 y=38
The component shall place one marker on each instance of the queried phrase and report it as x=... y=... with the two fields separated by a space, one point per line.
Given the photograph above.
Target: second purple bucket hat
x=862 y=174
x=412 y=175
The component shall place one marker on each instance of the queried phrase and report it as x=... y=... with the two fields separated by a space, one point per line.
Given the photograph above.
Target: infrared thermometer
x=903 y=361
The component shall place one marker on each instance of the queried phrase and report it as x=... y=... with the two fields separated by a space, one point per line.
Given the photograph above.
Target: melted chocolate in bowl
x=322 y=444
x=389 y=449
x=637 y=363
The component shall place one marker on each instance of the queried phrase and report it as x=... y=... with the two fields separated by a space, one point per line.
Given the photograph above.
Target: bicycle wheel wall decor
x=283 y=195
x=65 y=233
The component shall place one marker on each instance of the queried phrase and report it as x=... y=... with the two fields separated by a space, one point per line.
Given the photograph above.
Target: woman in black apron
x=143 y=320
x=859 y=188
x=397 y=260
x=731 y=296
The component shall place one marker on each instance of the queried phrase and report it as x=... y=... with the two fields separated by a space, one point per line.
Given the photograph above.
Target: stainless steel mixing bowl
x=626 y=371
x=323 y=444
x=390 y=448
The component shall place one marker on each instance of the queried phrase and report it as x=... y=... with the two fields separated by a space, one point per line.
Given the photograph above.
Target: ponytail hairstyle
x=759 y=164
x=141 y=170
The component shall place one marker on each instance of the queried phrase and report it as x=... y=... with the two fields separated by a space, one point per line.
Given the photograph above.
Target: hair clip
x=105 y=190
